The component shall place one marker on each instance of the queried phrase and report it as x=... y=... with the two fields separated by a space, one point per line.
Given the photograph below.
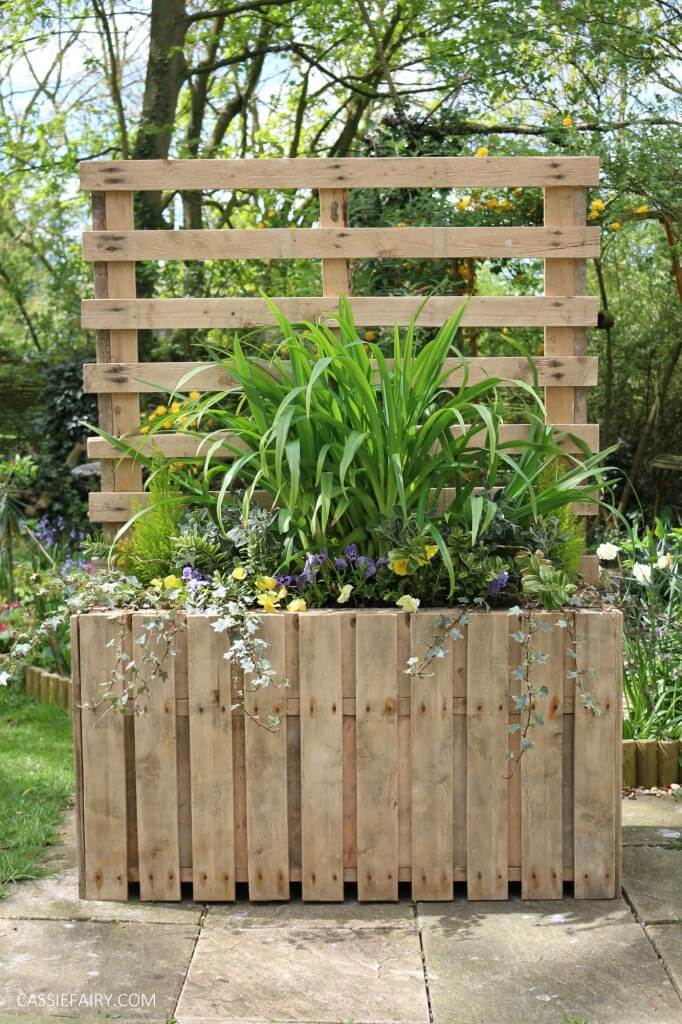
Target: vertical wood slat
x=104 y=807
x=542 y=769
x=377 y=755
x=459 y=724
x=431 y=744
x=565 y=206
x=210 y=750
x=122 y=344
x=267 y=831
x=336 y=278
x=596 y=758
x=77 y=749
x=156 y=771
x=487 y=716
x=321 y=709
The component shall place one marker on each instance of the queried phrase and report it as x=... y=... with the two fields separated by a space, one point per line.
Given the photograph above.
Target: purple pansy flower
x=351 y=552
x=499 y=583
x=341 y=564
x=368 y=564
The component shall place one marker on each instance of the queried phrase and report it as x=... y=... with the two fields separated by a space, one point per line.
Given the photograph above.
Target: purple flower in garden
x=351 y=552
x=499 y=583
x=368 y=564
x=341 y=564
x=187 y=573
x=382 y=561
x=283 y=581
x=321 y=558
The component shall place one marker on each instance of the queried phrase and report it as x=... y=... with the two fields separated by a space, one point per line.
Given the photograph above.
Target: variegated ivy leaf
x=514 y=727
x=526 y=744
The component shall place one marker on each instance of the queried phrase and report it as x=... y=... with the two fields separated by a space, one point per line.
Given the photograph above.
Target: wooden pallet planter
x=372 y=776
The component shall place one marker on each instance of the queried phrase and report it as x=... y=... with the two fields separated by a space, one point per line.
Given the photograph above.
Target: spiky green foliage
x=148 y=548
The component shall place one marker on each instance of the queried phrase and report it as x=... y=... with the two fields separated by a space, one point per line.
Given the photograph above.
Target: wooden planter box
x=373 y=776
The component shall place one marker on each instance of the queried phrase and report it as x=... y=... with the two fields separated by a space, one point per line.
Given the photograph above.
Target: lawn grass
x=36 y=782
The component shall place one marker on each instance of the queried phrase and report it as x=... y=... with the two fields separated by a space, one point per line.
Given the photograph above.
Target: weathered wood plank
x=148 y=378
x=266 y=774
x=156 y=767
x=487 y=717
x=104 y=807
x=210 y=724
x=77 y=749
x=432 y=769
x=377 y=754
x=320 y=681
x=239 y=313
x=183 y=446
x=595 y=760
x=345 y=172
x=548 y=243
x=542 y=767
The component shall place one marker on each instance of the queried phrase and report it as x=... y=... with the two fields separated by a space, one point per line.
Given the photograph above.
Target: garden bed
x=372 y=775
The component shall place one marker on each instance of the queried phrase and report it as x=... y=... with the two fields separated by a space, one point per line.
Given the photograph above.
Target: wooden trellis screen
x=118 y=378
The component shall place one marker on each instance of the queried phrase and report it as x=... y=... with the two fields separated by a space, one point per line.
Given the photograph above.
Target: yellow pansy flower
x=431 y=550
x=482 y=151
x=268 y=602
x=266 y=582
x=369 y=335
x=239 y=572
x=567 y=121
x=172 y=583
x=297 y=605
x=408 y=603
x=400 y=566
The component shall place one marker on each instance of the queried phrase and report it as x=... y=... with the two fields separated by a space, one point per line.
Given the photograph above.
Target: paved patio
x=615 y=962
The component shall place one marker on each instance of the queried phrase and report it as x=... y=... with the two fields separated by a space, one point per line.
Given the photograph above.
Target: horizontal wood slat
x=187 y=446
x=147 y=378
x=345 y=243
x=480 y=311
x=117 y=506
x=348 y=172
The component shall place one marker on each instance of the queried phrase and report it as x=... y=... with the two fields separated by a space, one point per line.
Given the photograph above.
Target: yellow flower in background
x=260 y=225
x=266 y=582
x=505 y=330
x=144 y=430
x=616 y=226
x=642 y=209
x=175 y=407
x=369 y=335
x=401 y=224
x=408 y=603
x=160 y=410
x=431 y=550
x=172 y=583
x=297 y=605
x=482 y=151
x=157 y=583
x=463 y=270
x=400 y=566
x=268 y=602
x=594 y=214
x=238 y=573
x=491 y=203
x=567 y=121
x=464 y=203
x=597 y=204
x=194 y=395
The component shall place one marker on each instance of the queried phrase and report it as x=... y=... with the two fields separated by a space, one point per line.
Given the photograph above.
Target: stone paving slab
x=348 y=914
x=652 y=880
x=311 y=974
x=652 y=821
x=667 y=940
x=65 y=960
x=533 y=963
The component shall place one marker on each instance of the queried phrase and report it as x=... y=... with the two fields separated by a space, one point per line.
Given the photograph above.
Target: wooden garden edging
x=373 y=776
x=48 y=687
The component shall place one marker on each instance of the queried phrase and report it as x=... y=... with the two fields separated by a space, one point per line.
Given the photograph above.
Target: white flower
x=344 y=594
x=664 y=562
x=408 y=603
x=642 y=573
x=4 y=678
x=22 y=649
x=607 y=552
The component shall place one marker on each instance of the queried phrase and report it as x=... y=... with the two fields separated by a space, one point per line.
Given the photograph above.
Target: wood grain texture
x=148 y=378
x=184 y=446
x=336 y=277
x=542 y=767
x=266 y=774
x=346 y=172
x=377 y=754
x=384 y=311
x=431 y=745
x=156 y=771
x=320 y=681
x=596 y=755
x=210 y=751
x=77 y=747
x=487 y=717
x=104 y=806
x=548 y=243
